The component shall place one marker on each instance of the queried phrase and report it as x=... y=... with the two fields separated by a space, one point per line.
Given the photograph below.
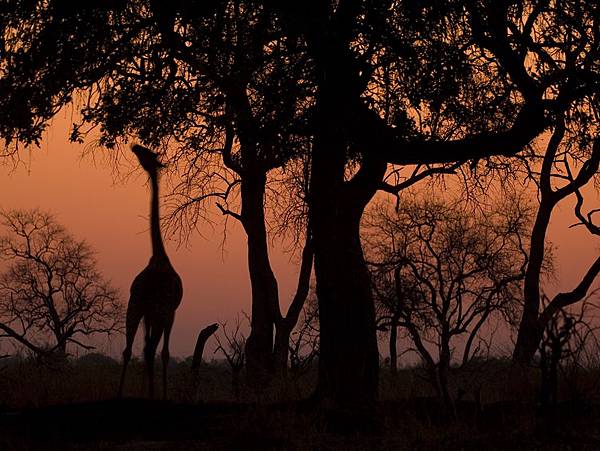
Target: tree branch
x=303 y=282
x=227 y=212
x=562 y=300
x=371 y=132
x=203 y=337
x=395 y=189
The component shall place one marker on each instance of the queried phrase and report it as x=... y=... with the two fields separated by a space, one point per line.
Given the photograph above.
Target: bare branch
x=227 y=212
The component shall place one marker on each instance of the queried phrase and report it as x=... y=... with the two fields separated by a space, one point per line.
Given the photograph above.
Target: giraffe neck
x=158 y=247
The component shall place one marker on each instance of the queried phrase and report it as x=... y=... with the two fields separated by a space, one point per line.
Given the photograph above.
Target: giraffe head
x=148 y=159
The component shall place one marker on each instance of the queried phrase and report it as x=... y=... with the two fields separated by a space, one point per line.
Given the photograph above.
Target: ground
x=137 y=424
x=73 y=407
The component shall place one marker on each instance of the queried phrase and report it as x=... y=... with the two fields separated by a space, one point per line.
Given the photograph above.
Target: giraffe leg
x=132 y=322
x=165 y=355
x=153 y=337
x=147 y=329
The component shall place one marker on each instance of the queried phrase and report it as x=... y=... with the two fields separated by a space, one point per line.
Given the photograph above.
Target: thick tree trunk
x=348 y=354
x=528 y=339
x=263 y=357
x=61 y=342
x=348 y=359
x=265 y=297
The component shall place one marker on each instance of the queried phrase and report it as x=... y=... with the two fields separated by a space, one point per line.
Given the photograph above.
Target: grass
x=72 y=406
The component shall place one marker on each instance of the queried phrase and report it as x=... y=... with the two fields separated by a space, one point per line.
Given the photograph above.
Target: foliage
x=51 y=294
x=444 y=270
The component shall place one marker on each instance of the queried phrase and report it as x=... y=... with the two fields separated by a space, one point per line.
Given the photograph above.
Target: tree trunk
x=348 y=359
x=285 y=326
x=528 y=339
x=394 y=346
x=61 y=343
x=265 y=297
x=203 y=337
x=348 y=354
x=443 y=370
x=530 y=330
x=281 y=350
x=263 y=357
x=555 y=358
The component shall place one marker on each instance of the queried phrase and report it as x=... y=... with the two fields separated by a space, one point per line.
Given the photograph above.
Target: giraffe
x=156 y=292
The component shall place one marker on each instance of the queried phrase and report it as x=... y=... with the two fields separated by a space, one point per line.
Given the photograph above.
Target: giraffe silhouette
x=156 y=291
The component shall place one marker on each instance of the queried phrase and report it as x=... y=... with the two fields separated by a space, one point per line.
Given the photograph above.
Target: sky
x=110 y=211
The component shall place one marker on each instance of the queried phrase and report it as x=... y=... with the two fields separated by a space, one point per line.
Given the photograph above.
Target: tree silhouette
x=232 y=345
x=480 y=52
x=203 y=337
x=556 y=181
x=443 y=271
x=566 y=336
x=51 y=294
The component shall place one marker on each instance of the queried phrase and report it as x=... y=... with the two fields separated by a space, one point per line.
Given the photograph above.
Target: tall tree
x=218 y=78
x=557 y=181
x=484 y=58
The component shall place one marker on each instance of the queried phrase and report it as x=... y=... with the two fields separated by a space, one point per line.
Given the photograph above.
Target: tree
x=229 y=96
x=557 y=181
x=486 y=86
x=566 y=338
x=443 y=272
x=395 y=299
x=203 y=337
x=51 y=294
x=232 y=345
x=258 y=77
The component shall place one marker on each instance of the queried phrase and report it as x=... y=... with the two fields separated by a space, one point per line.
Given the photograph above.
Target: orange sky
x=112 y=216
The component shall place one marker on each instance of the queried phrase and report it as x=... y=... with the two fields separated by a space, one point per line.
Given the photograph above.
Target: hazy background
x=110 y=211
